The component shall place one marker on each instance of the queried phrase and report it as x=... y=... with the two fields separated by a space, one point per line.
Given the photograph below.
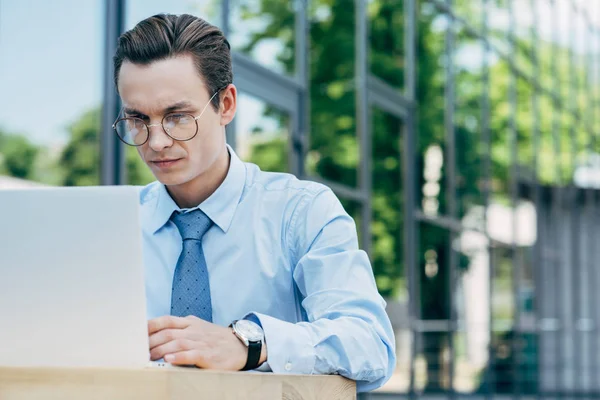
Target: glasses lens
x=180 y=126
x=132 y=131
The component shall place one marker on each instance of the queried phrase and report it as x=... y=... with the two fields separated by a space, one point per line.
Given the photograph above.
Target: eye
x=179 y=119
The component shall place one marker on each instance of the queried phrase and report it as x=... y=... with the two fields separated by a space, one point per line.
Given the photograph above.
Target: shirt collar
x=219 y=207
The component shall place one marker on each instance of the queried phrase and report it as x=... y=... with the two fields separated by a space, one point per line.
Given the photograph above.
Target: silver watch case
x=248 y=331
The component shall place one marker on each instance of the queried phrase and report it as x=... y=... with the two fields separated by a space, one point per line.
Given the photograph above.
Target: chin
x=169 y=180
x=172 y=178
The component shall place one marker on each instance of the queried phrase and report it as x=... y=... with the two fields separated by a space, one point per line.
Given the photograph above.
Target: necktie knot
x=191 y=225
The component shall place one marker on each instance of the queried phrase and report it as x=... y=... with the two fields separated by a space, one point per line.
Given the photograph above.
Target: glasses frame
x=161 y=124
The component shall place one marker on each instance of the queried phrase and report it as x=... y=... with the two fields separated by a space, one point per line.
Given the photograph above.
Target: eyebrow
x=177 y=106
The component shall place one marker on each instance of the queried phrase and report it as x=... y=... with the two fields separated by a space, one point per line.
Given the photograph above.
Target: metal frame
x=363 y=117
x=112 y=171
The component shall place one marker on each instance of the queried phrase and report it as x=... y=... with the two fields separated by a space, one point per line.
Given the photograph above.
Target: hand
x=193 y=341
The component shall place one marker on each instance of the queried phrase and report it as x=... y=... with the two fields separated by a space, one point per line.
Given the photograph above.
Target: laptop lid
x=71 y=278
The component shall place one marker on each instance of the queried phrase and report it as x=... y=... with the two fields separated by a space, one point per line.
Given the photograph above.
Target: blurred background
x=461 y=135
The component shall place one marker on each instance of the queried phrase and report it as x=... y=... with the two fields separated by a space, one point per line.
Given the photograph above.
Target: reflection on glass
x=499 y=125
x=502 y=323
x=569 y=128
x=49 y=129
x=386 y=53
x=137 y=10
x=471 y=342
x=400 y=380
x=503 y=306
x=387 y=202
x=525 y=130
x=354 y=208
x=470 y=11
x=547 y=164
x=470 y=147
x=387 y=234
x=507 y=368
x=523 y=43
x=264 y=30
x=430 y=165
x=334 y=152
x=262 y=134
x=467 y=370
x=433 y=274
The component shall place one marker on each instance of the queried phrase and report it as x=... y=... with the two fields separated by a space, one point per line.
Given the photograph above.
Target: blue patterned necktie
x=191 y=290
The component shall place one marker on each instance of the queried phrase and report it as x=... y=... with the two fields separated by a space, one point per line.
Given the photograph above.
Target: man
x=245 y=269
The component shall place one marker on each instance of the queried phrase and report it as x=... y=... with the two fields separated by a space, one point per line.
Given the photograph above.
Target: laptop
x=72 y=278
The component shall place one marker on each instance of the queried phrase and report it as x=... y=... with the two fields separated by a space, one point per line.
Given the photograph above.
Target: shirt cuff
x=289 y=346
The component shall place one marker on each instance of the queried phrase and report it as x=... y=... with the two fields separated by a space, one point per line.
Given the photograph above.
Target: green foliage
x=271 y=155
x=17 y=155
x=81 y=157
x=137 y=171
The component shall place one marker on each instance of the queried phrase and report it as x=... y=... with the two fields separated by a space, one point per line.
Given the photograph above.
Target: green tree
x=17 y=155
x=80 y=158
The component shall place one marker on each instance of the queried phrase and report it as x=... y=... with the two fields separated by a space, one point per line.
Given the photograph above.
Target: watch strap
x=254 y=350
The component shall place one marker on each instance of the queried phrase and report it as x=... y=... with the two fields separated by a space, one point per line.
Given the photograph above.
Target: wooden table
x=166 y=383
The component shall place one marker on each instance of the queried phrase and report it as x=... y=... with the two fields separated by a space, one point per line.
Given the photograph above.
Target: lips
x=165 y=163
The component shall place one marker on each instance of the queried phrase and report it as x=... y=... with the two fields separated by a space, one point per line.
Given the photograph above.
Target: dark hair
x=165 y=35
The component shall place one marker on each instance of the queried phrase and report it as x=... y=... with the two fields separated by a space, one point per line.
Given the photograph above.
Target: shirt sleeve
x=348 y=331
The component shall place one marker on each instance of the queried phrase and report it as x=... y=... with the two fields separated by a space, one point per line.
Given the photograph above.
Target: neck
x=194 y=192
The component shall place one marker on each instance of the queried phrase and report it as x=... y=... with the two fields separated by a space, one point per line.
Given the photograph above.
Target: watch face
x=249 y=330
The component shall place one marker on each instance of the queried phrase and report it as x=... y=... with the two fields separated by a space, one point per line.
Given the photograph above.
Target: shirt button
x=288 y=366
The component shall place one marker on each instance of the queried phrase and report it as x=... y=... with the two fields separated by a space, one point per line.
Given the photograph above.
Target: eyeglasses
x=178 y=126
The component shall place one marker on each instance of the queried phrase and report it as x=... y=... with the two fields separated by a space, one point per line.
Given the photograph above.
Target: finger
x=167 y=322
x=173 y=346
x=165 y=336
x=185 y=357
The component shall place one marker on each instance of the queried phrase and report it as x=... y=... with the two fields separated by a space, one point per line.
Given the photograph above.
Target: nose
x=158 y=139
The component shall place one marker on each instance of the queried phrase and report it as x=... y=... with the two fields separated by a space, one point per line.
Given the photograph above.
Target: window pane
x=262 y=134
x=334 y=153
x=500 y=129
x=470 y=143
x=503 y=301
x=471 y=341
x=264 y=30
x=387 y=235
x=354 y=209
x=400 y=381
x=386 y=53
x=387 y=219
x=434 y=268
x=51 y=80
x=432 y=74
x=470 y=11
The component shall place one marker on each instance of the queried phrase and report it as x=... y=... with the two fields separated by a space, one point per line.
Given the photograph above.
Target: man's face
x=149 y=92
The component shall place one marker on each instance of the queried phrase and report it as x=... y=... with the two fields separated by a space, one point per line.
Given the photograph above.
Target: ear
x=228 y=104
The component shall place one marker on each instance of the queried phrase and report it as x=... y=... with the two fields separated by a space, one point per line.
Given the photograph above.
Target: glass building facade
x=461 y=135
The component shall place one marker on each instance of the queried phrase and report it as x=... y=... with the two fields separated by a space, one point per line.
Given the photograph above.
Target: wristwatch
x=252 y=335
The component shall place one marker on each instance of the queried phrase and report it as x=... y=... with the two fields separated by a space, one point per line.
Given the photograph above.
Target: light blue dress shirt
x=285 y=253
